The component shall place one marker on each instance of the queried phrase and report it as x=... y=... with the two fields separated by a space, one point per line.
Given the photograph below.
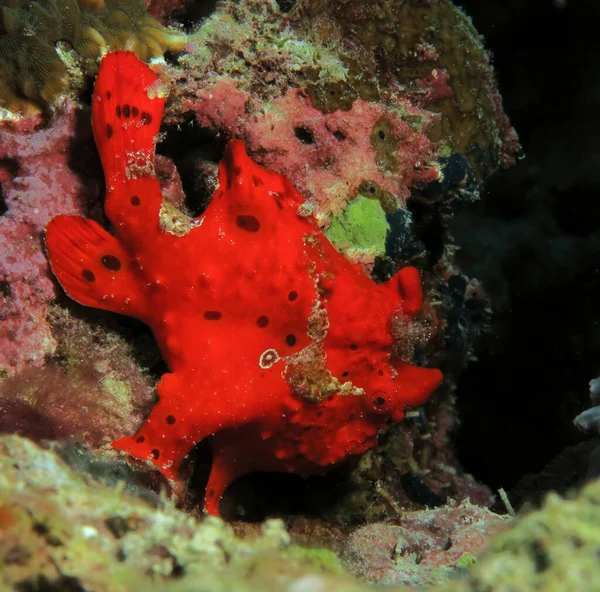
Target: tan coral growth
x=44 y=42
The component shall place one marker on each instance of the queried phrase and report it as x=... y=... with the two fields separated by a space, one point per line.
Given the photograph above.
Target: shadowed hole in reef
x=3 y=204
x=257 y=495
x=8 y=168
x=193 y=12
x=195 y=151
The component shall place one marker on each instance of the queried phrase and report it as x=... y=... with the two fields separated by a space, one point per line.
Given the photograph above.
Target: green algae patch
x=321 y=559
x=360 y=231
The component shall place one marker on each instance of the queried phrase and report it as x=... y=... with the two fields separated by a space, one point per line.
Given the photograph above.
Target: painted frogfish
x=279 y=349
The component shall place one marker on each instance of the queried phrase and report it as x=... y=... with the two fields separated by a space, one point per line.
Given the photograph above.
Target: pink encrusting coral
x=36 y=183
x=40 y=177
x=327 y=156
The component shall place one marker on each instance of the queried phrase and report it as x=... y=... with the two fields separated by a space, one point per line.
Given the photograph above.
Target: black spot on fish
x=212 y=315
x=248 y=222
x=111 y=262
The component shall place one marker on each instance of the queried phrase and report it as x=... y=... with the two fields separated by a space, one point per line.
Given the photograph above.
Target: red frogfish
x=279 y=349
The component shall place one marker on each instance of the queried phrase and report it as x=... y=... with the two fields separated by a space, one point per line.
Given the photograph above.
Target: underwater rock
x=348 y=93
x=554 y=548
x=96 y=389
x=422 y=548
x=62 y=531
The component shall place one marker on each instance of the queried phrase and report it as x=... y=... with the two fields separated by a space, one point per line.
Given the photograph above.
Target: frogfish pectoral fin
x=93 y=267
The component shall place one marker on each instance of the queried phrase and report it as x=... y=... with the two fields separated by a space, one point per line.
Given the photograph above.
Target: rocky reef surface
x=63 y=529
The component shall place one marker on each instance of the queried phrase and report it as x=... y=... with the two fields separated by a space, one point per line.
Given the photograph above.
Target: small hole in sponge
x=262 y=321
x=155 y=453
x=140 y=440
x=88 y=275
x=379 y=401
x=290 y=339
x=171 y=419
x=304 y=135
x=293 y=295
x=135 y=200
x=353 y=346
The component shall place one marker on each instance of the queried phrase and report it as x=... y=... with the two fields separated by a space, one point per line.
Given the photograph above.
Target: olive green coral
x=43 y=43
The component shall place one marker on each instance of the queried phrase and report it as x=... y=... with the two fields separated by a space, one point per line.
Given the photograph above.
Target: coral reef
x=33 y=167
x=96 y=391
x=62 y=532
x=316 y=93
x=337 y=96
x=424 y=548
x=47 y=46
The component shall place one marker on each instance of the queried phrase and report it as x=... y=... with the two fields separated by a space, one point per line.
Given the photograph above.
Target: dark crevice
x=195 y=152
